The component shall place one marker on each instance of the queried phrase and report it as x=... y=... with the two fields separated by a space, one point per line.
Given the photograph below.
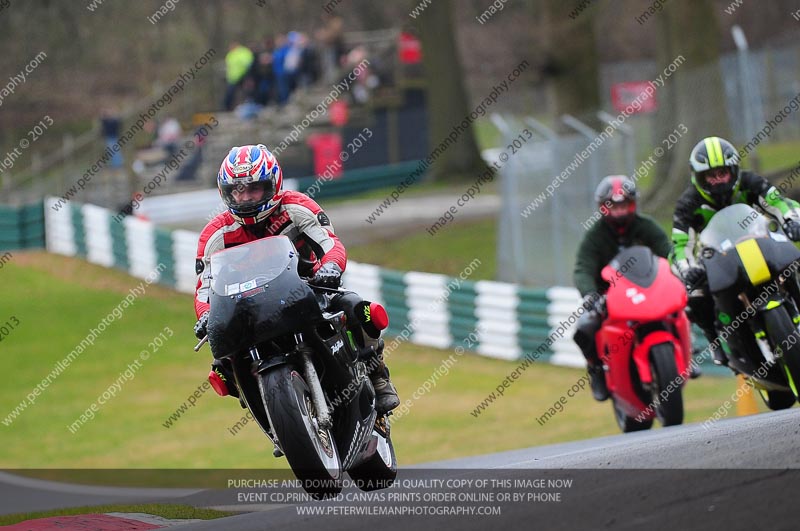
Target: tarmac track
x=740 y=473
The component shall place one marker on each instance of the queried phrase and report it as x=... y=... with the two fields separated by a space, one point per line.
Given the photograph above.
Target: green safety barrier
x=22 y=227
x=359 y=181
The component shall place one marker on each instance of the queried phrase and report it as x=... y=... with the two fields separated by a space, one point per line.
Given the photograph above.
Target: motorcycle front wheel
x=777 y=400
x=309 y=448
x=629 y=424
x=667 y=394
x=785 y=343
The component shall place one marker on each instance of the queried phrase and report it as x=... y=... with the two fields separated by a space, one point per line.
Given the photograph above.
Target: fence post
x=746 y=84
x=590 y=135
x=555 y=237
x=627 y=133
x=509 y=188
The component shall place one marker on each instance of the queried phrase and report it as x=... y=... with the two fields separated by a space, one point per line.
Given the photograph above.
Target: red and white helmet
x=250 y=167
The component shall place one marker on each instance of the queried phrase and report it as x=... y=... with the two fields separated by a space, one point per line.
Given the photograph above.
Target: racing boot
x=221 y=379
x=710 y=333
x=694 y=368
x=386 y=398
x=597 y=381
x=701 y=311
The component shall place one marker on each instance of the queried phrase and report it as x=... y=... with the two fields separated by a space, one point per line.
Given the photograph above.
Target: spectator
x=237 y=63
x=331 y=39
x=278 y=68
x=292 y=60
x=309 y=63
x=169 y=135
x=110 y=124
x=264 y=78
x=365 y=79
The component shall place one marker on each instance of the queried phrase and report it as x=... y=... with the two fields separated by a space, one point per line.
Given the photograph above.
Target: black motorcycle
x=751 y=270
x=297 y=368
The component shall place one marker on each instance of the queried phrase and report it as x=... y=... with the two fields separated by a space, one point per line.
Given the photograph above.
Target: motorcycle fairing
x=256 y=295
x=755 y=267
x=636 y=356
x=778 y=255
x=723 y=271
x=753 y=261
x=622 y=371
x=640 y=317
x=664 y=296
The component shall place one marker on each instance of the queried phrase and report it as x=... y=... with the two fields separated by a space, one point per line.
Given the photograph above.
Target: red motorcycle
x=645 y=342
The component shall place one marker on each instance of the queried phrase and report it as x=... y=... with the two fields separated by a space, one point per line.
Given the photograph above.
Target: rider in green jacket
x=716 y=183
x=621 y=226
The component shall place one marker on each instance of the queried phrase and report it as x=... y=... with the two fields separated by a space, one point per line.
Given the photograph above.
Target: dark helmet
x=707 y=157
x=617 y=190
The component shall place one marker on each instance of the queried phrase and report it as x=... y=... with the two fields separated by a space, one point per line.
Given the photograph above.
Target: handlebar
x=202 y=342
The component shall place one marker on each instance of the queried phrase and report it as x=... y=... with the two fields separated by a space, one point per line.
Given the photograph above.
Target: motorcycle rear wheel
x=669 y=409
x=310 y=449
x=780 y=329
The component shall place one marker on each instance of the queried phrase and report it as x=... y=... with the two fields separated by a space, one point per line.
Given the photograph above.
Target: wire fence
x=547 y=190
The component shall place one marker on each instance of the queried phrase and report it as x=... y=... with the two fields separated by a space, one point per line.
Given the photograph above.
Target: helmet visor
x=618 y=209
x=248 y=197
x=618 y=214
x=717 y=181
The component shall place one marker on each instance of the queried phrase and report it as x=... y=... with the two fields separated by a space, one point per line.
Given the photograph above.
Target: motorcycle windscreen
x=731 y=225
x=256 y=295
x=642 y=286
x=638 y=264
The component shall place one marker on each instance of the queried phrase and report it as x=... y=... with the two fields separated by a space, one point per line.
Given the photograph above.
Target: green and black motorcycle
x=752 y=276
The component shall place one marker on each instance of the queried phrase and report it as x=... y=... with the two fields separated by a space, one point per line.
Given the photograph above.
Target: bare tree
x=571 y=57
x=693 y=95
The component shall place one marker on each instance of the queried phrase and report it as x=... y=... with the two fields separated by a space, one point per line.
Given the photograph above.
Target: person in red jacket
x=250 y=183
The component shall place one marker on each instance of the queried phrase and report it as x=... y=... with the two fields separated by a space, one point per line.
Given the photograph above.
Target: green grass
x=447 y=252
x=486 y=134
x=172 y=512
x=57 y=300
x=778 y=156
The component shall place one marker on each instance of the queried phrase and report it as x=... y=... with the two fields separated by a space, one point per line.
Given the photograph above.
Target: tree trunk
x=210 y=19
x=448 y=104
x=694 y=95
x=571 y=63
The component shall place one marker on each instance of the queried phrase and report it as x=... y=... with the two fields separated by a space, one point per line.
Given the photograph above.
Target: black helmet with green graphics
x=715 y=170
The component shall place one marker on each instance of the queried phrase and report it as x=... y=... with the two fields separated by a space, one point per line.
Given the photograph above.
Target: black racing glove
x=327 y=276
x=200 y=326
x=792 y=230
x=694 y=277
x=594 y=302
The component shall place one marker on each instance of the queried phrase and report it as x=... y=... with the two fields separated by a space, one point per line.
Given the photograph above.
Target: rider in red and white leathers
x=250 y=182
